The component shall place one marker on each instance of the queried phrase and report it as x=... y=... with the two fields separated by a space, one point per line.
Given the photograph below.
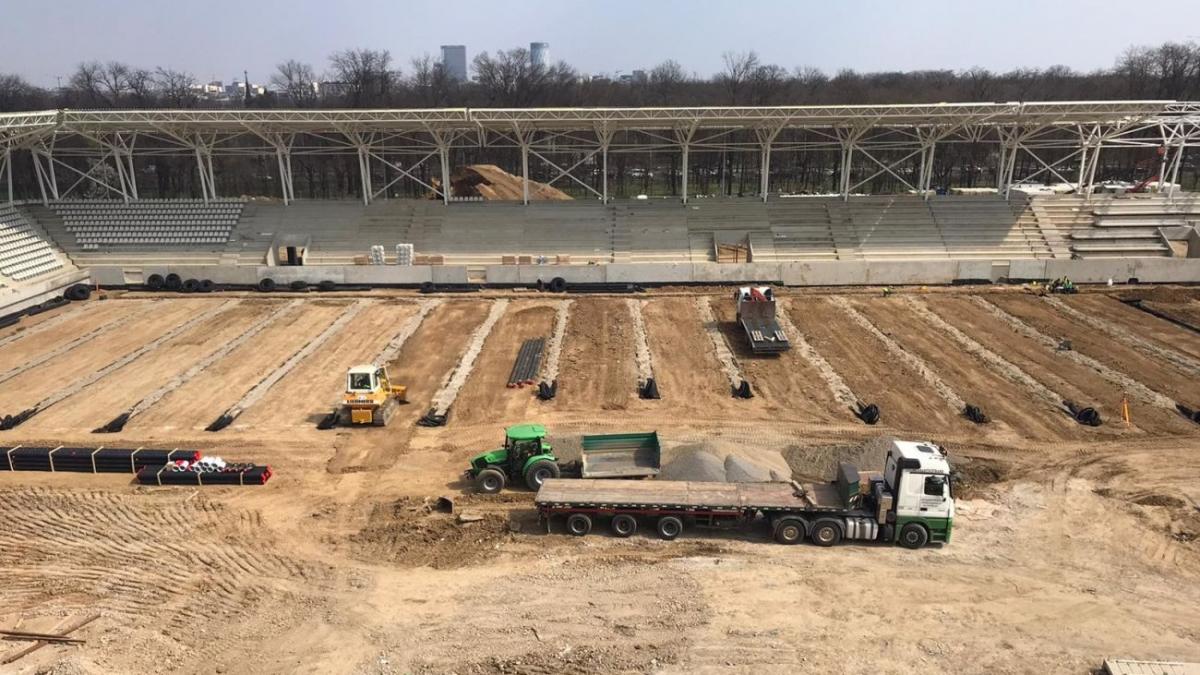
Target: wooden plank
x=63 y=632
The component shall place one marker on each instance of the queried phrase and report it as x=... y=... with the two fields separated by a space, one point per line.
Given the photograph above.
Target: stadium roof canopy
x=1056 y=134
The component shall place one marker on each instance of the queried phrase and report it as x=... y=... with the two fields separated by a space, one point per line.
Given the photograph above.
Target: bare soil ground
x=597 y=362
x=1146 y=326
x=1070 y=545
x=870 y=372
x=1187 y=312
x=1014 y=411
x=485 y=395
x=1157 y=374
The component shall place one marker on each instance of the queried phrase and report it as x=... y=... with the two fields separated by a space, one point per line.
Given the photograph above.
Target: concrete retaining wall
x=815 y=273
x=35 y=292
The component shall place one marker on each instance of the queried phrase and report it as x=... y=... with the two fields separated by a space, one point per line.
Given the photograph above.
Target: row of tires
x=174 y=282
x=787 y=530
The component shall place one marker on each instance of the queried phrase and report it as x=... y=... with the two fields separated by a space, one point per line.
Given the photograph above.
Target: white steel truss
x=1064 y=140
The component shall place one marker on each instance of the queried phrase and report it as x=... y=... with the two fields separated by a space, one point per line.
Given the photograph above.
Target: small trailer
x=909 y=503
x=756 y=313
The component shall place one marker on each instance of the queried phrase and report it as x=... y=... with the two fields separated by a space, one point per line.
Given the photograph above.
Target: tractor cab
x=526 y=455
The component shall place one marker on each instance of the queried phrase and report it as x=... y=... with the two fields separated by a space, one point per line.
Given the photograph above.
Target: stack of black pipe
x=231 y=474
x=88 y=460
x=529 y=361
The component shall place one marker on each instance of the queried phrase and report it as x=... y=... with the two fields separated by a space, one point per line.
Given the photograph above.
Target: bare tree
x=767 y=84
x=431 y=83
x=17 y=94
x=738 y=70
x=366 y=75
x=86 y=84
x=295 y=81
x=177 y=88
x=511 y=79
x=666 y=80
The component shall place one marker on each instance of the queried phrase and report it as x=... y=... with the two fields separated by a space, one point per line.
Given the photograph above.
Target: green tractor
x=526 y=455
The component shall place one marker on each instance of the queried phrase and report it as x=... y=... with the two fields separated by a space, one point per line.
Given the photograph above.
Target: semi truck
x=909 y=503
x=756 y=314
x=527 y=456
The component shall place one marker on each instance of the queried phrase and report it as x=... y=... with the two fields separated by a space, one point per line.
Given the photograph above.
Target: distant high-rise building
x=539 y=54
x=454 y=60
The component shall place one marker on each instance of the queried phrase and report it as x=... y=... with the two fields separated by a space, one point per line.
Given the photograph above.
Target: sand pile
x=708 y=464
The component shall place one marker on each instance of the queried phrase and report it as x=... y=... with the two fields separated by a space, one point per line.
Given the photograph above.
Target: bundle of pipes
x=89 y=460
x=231 y=474
x=529 y=362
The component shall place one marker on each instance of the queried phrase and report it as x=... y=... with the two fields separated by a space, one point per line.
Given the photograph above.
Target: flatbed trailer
x=898 y=505
x=756 y=313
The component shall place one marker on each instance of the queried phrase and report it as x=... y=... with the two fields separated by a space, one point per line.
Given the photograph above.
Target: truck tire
x=624 y=525
x=579 y=524
x=789 y=531
x=826 y=532
x=669 y=527
x=913 y=536
x=538 y=472
x=490 y=481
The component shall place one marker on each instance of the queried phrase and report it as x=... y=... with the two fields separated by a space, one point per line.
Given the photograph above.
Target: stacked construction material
x=88 y=460
x=528 y=363
x=206 y=471
x=404 y=254
x=377 y=255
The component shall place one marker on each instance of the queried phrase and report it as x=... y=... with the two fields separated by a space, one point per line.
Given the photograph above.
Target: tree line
x=372 y=78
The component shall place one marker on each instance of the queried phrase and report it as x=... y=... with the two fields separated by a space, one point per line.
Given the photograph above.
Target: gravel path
x=455 y=381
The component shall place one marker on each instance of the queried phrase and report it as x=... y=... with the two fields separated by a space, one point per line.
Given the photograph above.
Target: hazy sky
x=41 y=39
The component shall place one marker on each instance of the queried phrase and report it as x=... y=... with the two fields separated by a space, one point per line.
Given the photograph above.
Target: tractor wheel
x=789 y=531
x=669 y=527
x=490 y=481
x=624 y=525
x=579 y=524
x=826 y=532
x=913 y=536
x=538 y=472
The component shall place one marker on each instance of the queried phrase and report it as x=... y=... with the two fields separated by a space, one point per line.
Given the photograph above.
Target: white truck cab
x=917 y=474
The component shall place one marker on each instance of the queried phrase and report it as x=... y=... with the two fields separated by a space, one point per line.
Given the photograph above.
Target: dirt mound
x=819 y=462
x=493 y=183
x=409 y=532
x=704 y=464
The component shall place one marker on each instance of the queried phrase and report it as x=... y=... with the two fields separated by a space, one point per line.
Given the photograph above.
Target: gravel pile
x=703 y=464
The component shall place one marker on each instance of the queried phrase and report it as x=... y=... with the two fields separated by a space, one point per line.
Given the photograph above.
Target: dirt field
x=1071 y=544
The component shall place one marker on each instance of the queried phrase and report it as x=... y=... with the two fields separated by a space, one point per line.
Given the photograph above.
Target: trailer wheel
x=913 y=536
x=826 y=532
x=538 y=472
x=490 y=481
x=579 y=524
x=624 y=525
x=789 y=531
x=669 y=527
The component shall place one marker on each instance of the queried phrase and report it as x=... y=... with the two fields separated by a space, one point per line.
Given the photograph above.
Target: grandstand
x=846 y=237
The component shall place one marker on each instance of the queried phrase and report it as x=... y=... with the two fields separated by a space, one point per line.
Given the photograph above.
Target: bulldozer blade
x=329 y=421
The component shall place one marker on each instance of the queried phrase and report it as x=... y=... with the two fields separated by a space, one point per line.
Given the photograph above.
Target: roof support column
x=525 y=173
x=766 y=137
x=444 y=160
x=7 y=166
x=684 y=135
x=605 y=136
x=847 y=161
x=202 y=171
x=285 y=174
x=364 y=173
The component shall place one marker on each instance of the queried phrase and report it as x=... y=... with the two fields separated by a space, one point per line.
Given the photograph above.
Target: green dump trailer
x=528 y=457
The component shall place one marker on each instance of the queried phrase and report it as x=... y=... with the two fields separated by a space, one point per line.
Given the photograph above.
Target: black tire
x=155 y=282
x=299 y=285
x=173 y=282
x=428 y=287
x=327 y=286
x=557 y=285
x=624 y=525
x=789 y=531
x=826 y=532
x=579 y=524
x=191 y=286
x=539 y=471
x=206 y=286
x=669 y=527
x=490 y=481
x=913 y=536
x=266 y=285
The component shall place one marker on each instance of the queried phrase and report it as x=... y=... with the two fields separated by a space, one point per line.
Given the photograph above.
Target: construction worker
x=887 y=291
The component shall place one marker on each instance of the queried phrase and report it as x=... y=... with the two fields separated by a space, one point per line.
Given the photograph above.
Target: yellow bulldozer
x=370 y=398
